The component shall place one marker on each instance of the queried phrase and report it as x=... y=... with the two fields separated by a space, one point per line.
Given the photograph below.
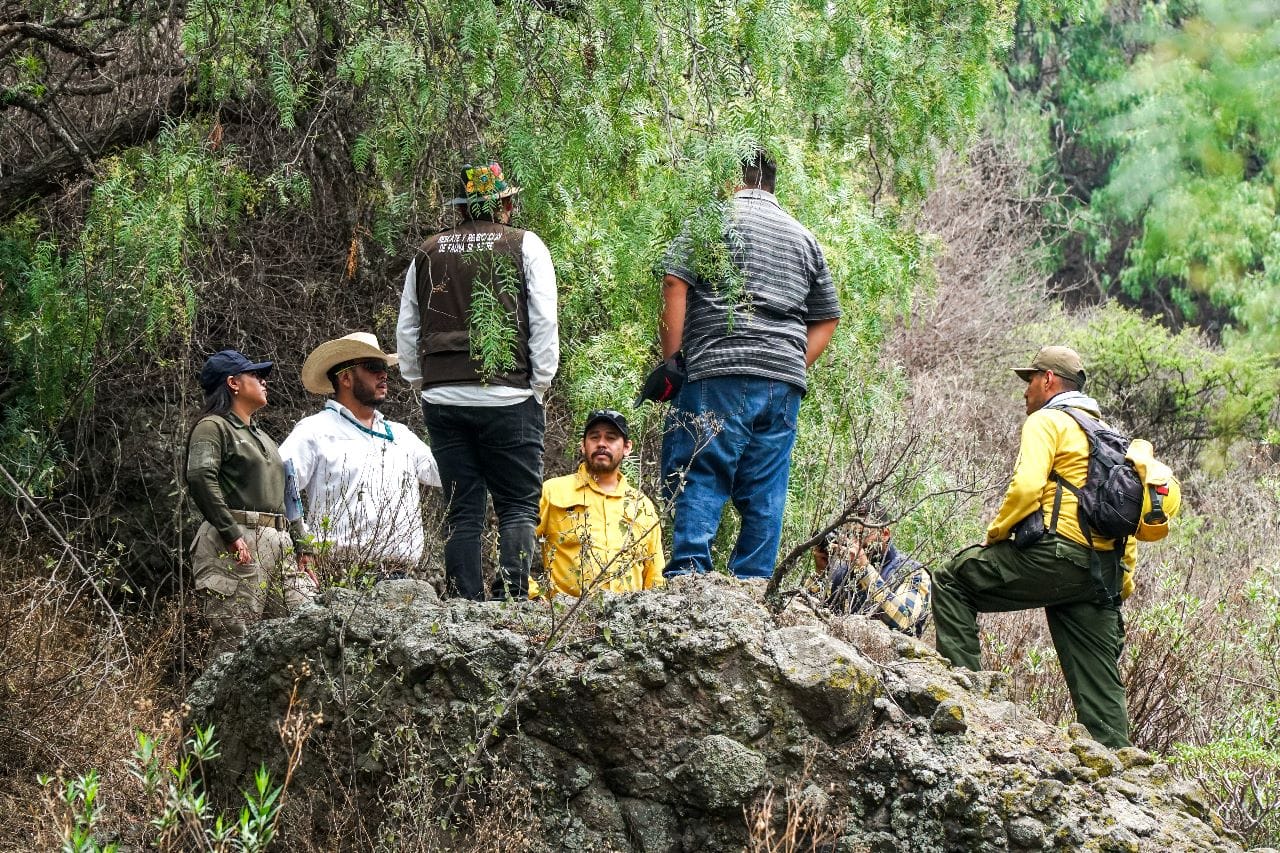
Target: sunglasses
x=373 y=366
x=260 y=375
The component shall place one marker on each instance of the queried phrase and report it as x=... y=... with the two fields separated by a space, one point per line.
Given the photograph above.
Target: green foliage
x=69 y=312
x=1174 y=389
x=494 y=327
x=181 y=816
x=665 y=101
x=620 y=120
x=1164 y=139
x=1197 y=170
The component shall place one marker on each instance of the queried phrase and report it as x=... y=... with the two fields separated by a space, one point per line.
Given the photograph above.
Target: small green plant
x=181 y=814
x=494 y=324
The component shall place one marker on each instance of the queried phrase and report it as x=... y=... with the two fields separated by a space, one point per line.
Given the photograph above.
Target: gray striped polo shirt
x=755 y=325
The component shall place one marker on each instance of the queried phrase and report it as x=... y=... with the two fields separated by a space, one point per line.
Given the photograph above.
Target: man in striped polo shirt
x=750 y=313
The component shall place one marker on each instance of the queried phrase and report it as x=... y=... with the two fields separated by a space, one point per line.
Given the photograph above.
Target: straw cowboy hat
x=353 y=347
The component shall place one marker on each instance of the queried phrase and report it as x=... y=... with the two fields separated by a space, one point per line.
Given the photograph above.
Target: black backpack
x=1110 y=499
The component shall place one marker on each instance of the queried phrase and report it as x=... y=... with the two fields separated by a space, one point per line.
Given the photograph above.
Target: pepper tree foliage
x=619 y=119
x=1163 y=137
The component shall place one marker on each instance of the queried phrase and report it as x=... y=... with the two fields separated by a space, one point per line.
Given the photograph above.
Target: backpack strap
x=1108 y=595
x=1057 y=499
x=1157 y=515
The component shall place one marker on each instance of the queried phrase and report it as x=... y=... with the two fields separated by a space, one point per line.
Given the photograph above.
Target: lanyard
x=386 y=436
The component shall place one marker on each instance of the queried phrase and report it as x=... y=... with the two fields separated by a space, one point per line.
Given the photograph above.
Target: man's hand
x=307 y=565
x=241 y=548
x=858 y=555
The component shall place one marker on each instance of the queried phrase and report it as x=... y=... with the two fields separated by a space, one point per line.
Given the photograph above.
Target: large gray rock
x=659 y=721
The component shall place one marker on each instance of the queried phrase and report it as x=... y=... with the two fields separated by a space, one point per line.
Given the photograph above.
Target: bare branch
x=21 y=100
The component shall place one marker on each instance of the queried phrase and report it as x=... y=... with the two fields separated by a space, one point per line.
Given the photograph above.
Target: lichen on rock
x=683 y=719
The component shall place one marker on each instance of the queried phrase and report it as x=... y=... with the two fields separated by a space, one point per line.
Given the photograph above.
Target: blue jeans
x=483 y=452
x=731 y=438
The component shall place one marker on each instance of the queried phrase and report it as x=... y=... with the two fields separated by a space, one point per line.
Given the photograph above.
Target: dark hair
x=484 y=210
x=872 y=513
x=1069 y=382
x=759 y=172
x=218 y=401
x=332 y=373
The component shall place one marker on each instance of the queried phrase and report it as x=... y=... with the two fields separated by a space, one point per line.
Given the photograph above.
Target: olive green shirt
x=234 y=465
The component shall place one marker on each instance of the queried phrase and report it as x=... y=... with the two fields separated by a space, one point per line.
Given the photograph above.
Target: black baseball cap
x=612 y=416
x=226 y=363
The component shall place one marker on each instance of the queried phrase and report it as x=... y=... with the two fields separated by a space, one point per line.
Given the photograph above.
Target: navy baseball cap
x=612 y=417
x=226 y=363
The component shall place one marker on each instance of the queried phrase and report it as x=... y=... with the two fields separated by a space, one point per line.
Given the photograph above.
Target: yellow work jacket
x=1052 y=441
x=598 y=540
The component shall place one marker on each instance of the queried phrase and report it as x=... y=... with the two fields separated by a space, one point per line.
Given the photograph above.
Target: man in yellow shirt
x=599 y=532
x=1079 y=587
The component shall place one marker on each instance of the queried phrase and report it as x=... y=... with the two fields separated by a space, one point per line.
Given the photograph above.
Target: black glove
x=663 y=381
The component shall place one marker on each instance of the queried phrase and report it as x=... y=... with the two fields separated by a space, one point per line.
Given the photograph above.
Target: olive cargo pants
x=234 y=597
x=1053 y=574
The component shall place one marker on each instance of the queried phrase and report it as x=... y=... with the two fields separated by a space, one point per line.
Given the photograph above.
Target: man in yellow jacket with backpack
x=1037 y=552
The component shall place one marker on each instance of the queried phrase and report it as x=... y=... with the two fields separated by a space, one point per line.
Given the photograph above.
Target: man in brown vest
x=478 y=336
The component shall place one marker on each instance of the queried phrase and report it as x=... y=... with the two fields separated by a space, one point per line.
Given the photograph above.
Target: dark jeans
x=729 y=438
x=487 y=451
x=1053 y=574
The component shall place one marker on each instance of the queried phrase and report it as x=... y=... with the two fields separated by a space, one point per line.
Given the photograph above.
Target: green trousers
x=1053 y=574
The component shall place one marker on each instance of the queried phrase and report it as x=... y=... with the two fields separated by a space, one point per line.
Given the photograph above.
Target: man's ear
x=626 y=447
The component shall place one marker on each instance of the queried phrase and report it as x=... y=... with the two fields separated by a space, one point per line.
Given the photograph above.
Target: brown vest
x=451 y=265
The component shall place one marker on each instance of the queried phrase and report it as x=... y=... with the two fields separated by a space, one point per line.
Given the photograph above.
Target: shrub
x=1174 y=389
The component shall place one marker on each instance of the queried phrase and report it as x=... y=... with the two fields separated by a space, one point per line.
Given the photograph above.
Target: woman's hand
x=243 y=555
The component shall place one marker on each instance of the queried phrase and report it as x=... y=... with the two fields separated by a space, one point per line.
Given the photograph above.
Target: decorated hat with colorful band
x=483 y=183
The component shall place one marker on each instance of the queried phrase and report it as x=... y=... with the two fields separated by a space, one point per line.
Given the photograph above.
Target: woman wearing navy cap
x=243 y=553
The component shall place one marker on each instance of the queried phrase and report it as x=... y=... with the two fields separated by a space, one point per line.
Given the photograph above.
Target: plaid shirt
x=896 y=594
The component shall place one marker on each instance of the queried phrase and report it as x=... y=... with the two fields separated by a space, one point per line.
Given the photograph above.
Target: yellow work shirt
x=1053 y=441
x=598 y=540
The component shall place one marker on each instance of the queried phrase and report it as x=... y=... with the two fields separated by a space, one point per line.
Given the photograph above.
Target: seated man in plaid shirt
x=870 y=576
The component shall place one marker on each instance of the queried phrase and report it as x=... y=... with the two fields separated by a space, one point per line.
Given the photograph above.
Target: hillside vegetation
x=983 y=179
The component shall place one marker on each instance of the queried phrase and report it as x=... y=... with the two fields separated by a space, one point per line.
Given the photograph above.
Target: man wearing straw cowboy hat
x=360 y=470
x=478 y=335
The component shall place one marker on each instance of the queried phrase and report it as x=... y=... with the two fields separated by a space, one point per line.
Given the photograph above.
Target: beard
x=366 y=393
x=598 y=465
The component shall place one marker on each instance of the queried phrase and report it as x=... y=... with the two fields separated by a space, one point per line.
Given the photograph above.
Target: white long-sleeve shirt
x=544 y=336
x=362 y=484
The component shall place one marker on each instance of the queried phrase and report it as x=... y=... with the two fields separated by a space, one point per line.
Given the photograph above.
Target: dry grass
x=72 y=692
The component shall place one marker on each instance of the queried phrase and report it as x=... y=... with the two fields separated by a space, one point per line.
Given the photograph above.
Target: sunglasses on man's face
x=373 y=366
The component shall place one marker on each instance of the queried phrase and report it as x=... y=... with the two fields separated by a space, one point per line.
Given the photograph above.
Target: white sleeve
x=407 y=328
x=544 y=332
x=427 y=470
x=301 y=450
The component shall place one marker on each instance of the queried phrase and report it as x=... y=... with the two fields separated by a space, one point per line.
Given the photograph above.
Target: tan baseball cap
x=1063 y=361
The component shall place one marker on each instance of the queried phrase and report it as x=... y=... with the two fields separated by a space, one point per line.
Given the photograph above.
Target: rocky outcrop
x=682 y=720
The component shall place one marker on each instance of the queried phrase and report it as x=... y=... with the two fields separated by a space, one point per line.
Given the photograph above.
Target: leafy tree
x=1173 y=388
x=1196 y=173
x=1155 y=124
x=317 y=125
